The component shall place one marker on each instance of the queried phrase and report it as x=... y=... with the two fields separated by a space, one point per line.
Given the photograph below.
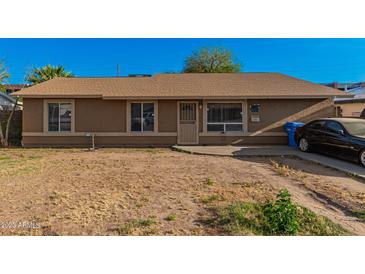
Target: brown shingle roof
x=188 y=85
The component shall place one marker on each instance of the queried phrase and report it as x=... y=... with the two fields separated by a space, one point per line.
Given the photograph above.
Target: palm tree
x=39 y=75
x=4 y=75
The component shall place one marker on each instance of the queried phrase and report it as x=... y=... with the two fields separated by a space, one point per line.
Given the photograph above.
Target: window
x=224 y=117
x=187 y=112
x=318 y=125
x=59 y=116
x=355 y=127
x=334 y=127
x=142 y=117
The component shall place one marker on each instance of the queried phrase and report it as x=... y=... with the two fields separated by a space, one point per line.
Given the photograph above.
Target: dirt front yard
x=157 y=191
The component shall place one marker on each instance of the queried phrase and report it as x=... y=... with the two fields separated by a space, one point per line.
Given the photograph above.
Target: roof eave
x=56 y=96
x=219 y=97
x=180 y=97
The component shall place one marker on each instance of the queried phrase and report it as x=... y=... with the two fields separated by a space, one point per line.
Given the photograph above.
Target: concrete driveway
x=243 y=151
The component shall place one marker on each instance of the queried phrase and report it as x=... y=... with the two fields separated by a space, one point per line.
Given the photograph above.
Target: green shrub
x=278 y=217
x=281 y=215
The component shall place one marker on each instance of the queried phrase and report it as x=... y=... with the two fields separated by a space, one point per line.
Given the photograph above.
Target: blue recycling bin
x=290 y=128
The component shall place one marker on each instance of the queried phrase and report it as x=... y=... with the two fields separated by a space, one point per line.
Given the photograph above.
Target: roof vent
x=139 y=75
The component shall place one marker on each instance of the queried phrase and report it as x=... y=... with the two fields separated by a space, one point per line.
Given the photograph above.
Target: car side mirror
x=341 y=132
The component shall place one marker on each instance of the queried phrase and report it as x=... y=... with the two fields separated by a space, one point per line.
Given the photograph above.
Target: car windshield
x=355 y=128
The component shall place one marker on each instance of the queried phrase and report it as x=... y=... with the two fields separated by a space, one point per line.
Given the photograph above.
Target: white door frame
x=196 y=122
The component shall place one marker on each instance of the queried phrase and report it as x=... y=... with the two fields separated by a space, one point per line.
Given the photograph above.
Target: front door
x=188 y=123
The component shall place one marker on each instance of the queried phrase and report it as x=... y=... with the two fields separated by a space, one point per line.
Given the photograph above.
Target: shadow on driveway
x=296 y=163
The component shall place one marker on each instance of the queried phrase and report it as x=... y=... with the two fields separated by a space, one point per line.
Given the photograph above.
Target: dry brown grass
x=109 y=191
x=342 y=189
x=287 y=171
x=128 y=191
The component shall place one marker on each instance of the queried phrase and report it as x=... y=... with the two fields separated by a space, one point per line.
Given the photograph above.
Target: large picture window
x=59 y=116
x=224 y=117
x=142 y=117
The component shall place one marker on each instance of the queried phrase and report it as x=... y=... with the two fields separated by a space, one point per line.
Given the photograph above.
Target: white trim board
x=151 y=134
x=103 y=134
x=240 y=134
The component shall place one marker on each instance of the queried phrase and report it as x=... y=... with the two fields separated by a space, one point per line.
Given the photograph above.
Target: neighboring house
x=351 y=107
x=10 y=88
x=168 y=109
x=346 y=86
x=7 y=102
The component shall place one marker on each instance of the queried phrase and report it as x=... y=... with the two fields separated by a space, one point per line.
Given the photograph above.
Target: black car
x=339 y=137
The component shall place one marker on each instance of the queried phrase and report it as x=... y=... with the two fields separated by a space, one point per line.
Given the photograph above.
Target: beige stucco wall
x=90 y=115
x=97 y=115
x=351 y=109
x=32 y=115
x=245 y=140
x=109 y=116
x=108 y=141
x=167 y=115
x=100 y=141
x=274 y=110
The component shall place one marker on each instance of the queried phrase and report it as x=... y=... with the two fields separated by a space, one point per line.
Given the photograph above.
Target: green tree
x=208 y=60
x=4 y=75
x=39 y=75
x=5 y=122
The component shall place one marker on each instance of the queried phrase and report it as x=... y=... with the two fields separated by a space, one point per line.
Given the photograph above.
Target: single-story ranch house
x=168 y=109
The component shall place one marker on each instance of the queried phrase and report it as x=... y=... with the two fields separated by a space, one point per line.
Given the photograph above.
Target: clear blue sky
x=318 y=60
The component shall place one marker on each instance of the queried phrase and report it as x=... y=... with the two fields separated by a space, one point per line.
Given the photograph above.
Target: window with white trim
x=224 y=117
x=142 y=117
x=59 y=116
